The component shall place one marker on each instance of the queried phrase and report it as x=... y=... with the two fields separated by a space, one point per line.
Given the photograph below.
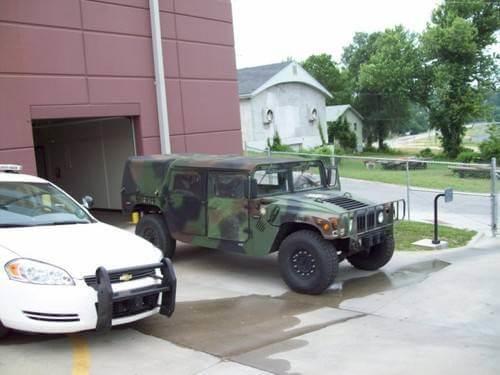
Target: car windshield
x=31 y=204
x=275 y=179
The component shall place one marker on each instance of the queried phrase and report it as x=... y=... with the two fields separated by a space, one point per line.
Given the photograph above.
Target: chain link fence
x=418 y=180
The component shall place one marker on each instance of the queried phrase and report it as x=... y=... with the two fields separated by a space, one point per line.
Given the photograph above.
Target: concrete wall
x=291 y=104
x=89 y=58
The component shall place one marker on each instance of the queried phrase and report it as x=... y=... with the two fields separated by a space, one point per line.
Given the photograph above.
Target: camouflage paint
x=245 y=224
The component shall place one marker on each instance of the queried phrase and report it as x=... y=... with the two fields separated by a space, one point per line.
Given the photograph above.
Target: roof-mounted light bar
x=11 y=168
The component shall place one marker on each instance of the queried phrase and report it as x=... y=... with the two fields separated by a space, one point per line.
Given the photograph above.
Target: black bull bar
x=106 y=297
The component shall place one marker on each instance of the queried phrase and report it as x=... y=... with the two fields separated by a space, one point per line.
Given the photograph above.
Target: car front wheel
x=3 y=331
x=308 y=263
x=152 y=228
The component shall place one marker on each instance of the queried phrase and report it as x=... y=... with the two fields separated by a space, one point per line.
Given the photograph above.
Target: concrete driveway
x=426 y=312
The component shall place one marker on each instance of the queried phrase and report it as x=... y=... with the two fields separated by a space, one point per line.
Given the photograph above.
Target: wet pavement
x=425 y=312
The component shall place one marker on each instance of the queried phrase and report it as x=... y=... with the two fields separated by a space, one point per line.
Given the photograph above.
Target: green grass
x=407 y=232
x=434 y=177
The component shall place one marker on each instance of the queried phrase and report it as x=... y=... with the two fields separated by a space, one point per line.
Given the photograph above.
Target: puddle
x=228 y=327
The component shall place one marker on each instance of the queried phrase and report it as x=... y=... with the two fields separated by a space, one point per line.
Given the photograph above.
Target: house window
x=355 y=126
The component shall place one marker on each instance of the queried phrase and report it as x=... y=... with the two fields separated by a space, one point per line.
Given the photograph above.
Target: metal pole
x=408 y=187
x=161 y=91
x=494 y=206
x=435 y=240
x=269 y=151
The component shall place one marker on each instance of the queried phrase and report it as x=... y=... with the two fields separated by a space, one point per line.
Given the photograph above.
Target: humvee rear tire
x=378 y=256
x=3 y=331
x=308 y=263
x=152 y=228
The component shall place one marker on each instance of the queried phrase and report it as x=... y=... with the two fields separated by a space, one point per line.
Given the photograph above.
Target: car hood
x=80 y=248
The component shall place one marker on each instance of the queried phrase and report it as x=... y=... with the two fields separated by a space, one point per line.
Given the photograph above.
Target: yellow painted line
x=81 y=355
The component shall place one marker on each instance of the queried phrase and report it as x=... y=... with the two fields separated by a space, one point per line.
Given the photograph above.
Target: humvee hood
x=322 y=200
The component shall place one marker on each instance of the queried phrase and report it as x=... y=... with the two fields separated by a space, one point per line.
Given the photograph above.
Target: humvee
x=257 y=206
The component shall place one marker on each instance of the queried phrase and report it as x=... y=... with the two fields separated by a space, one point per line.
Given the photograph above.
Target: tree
x=325 y=71
x=387 y=70
x=461 y=70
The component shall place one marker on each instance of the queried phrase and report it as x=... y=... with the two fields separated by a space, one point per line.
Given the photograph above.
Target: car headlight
x=34 y=272
x=380 y=217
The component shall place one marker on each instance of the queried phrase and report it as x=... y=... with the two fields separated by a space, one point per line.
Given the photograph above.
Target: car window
x=306 y=176
x=188 y=181
x=227 y=185
x=270 y=181
x=27 y=204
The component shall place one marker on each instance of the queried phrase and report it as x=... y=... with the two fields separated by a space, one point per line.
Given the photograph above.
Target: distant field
x=434 y=177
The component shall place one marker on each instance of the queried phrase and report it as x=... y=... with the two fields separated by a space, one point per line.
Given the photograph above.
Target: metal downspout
x=161 y=93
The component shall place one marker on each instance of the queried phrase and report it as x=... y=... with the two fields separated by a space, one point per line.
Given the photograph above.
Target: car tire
x=3 y=331
x=378 y=256
x=308 y=263
x=153 y=228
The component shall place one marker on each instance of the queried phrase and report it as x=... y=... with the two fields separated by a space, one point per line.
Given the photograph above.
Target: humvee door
x=186 y=211
x=228 y=206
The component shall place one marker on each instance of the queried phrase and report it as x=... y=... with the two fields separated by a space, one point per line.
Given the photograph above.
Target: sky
x=270 y=31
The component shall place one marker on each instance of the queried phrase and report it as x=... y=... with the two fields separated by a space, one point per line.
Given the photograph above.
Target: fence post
x=494 y=206
x=408 y=187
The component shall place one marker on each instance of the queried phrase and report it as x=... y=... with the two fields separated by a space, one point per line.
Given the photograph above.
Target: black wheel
x=308 y=263
x=378 y=256
x=3 y=331
x=153 y=228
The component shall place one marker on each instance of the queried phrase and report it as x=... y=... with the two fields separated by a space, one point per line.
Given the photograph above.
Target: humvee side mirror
x=87 y=202
x=331 y=176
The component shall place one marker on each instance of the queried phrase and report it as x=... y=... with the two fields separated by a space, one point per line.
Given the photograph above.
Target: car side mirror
x=87 y=202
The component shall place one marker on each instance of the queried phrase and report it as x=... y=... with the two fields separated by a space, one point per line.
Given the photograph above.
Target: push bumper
x=108 y=301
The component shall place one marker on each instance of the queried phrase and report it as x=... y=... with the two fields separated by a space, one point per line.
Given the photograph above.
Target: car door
x=227 y=210
x=186 y=202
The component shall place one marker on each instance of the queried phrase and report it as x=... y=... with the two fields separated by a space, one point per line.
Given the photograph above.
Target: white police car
x=63 y=271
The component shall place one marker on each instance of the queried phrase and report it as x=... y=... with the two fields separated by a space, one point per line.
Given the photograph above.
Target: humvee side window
x=270 y=181
x=227 y=185
x=306 y=176
x=188 y=182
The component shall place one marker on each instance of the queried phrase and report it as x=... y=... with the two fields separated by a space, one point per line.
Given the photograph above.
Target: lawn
x=434 y=177
x=407 y=232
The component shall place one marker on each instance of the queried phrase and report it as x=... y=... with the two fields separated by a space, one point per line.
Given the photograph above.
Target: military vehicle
x=257 y=206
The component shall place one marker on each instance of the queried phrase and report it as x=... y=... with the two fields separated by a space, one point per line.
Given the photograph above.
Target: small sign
x=448 y=195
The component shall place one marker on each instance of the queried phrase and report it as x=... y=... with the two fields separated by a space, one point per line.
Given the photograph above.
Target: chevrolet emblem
x=126 y=277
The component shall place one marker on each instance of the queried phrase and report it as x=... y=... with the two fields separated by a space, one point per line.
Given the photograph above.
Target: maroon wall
x=87 y=58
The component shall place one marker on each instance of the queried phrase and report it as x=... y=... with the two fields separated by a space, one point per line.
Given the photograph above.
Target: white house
x=284 y=98
x=354 y=119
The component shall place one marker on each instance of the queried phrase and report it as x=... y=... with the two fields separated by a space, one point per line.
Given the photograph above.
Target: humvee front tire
x=152 y=228
x=378 y=256
x=308 y=263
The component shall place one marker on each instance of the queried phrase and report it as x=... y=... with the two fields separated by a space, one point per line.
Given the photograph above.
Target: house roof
x=252 y=81
x=333 y=112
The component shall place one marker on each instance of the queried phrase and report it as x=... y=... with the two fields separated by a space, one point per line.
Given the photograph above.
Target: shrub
x=339 y=130
x=426 y=153
x=491 y=147
x=276 y=145
x=469 y=157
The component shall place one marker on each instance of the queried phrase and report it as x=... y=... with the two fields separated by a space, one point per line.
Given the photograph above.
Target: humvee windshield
x=288 y=178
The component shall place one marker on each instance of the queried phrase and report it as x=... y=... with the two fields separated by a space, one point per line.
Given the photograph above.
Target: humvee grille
x=366 y=222
x=346 y=203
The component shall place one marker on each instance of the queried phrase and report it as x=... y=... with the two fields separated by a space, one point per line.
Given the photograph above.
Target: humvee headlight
x=380 y=217
x=263 y=211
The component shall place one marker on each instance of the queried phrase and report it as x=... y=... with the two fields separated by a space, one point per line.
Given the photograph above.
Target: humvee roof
x=226 y=162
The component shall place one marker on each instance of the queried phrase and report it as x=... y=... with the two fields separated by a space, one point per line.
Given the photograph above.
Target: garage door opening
x=85 y=156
